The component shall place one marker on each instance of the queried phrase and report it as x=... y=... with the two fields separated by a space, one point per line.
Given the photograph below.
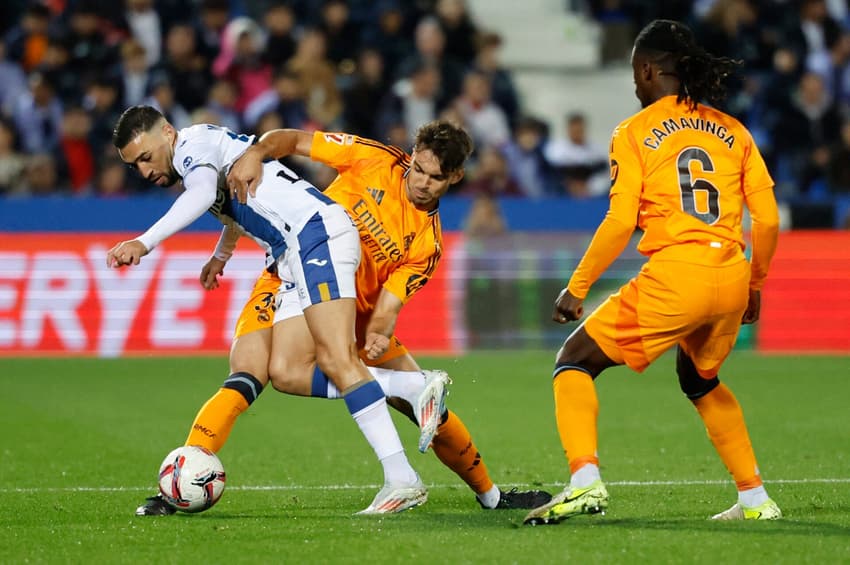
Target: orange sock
x=453 y=446
x=213 y=423
x=576 y=411
x=724 y=422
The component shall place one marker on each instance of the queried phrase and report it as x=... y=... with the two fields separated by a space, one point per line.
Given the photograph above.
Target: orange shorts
x=698 y=307
x=258 y=314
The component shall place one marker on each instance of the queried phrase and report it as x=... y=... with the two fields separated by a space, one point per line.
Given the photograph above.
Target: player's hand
x=210 y=273
x=245 y=175
x=567 y=307
x=751 y=314
x=376 y=345
x=126 y=253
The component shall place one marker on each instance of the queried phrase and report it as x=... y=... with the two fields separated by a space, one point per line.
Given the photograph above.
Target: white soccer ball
x=191 y=478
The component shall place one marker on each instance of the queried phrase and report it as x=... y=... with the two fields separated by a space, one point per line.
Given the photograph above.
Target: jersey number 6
x=688 y=186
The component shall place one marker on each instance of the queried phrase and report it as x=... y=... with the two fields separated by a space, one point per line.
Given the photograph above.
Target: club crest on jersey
x=187 y=161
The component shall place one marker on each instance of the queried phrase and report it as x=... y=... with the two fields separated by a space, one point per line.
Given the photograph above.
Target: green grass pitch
x=83 y=439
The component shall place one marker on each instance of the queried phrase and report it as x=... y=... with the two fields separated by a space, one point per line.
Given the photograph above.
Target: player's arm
x=190 y=205
x=214 y=267
x=247 y=172
x=613 y=233
x=381 y=325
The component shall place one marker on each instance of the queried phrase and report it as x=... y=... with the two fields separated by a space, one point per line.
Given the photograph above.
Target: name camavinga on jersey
x=672 y=125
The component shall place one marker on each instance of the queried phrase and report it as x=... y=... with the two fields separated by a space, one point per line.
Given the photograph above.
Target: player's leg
x=323 y=268
x=699 y=357
x=249 y=354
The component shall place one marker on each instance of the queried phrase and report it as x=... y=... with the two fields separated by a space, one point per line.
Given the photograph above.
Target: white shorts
x=323 y=265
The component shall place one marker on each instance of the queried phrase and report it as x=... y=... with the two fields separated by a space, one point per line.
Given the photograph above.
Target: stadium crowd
x=381 y=68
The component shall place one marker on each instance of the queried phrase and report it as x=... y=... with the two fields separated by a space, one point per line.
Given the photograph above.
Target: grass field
x=83 y=439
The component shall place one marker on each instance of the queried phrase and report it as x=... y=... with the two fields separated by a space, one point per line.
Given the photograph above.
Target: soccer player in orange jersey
x=682 y=172
x=392 y=198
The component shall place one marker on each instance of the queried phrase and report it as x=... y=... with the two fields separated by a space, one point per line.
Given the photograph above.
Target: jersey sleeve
x=189 y=155
x=756 y=175
x=626 y=176
x=344 y=151
x=409 y=278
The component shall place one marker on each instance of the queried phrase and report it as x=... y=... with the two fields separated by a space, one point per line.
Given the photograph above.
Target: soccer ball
x=191 y=478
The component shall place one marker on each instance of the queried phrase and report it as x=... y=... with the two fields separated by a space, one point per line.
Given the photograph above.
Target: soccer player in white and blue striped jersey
x=305 y=232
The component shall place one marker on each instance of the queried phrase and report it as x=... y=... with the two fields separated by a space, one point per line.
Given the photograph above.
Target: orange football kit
x=683 y=178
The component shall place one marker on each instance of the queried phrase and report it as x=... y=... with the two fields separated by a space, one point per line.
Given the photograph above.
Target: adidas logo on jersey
x=377 y=194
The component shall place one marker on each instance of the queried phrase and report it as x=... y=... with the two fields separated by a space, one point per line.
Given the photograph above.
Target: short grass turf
x=83 y=439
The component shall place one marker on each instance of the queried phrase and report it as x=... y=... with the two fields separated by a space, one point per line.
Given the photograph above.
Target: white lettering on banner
x=242 y=271
x=121 y=292
x=179 y=291
x=58 y=285
x=12 y=268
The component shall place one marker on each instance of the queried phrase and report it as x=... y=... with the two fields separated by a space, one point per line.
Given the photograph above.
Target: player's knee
x=289 y=377
x=693 y=384
x=337 y=363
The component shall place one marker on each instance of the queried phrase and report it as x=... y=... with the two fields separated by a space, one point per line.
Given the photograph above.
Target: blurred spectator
x=807 y=33
x=38 y=115
x=267 y=122
x=279 y=22
x=389 y=36
x=112 y=179
x=14 y=82
x=367 y=86
x=430 y=43
x=580 y=167
x=838 y=169
x=186 y=69
x=410 y=103
x=27 y=41
x=618 y=29
x=240 y=60
x=491 y=176
x=161 y=96
x=502 y=88
x=487 y=123
x=143 y=21
x=90 y=51
x=11 y=161
x=341 y=36
x=317 y=80
x=41 y=177
x=459 y=30
x=831 y=64
x=134 y=72
x=485 y=218
x=524 y=153
x=75 y=158
x=55 y=64
x=222 y=102
x=284 y=98
x=807 y=128
x=213 y=18
x=102 y=102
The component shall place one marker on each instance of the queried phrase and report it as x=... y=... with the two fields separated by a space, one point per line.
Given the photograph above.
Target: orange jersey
x=688 y=173
x=683 y=177
x=401 y=245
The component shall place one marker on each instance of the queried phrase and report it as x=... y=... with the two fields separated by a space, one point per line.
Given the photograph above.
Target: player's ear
x=168 y=131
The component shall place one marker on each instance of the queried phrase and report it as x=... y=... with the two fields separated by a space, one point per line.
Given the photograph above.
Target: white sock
x=403 y=384
x=490 y=498
x=368 y=407
x=752 y=497
x=585 y=476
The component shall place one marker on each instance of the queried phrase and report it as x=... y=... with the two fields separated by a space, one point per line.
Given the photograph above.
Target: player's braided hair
x=701 y=75
x=449 y=143
x=134 y=121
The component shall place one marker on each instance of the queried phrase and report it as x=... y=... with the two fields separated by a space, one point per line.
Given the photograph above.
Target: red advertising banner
x=806 y=300
x=58 y=297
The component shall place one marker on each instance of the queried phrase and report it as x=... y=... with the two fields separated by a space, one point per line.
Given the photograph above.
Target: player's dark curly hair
x=701 y=75
x=134 y=121
x=449 y=143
